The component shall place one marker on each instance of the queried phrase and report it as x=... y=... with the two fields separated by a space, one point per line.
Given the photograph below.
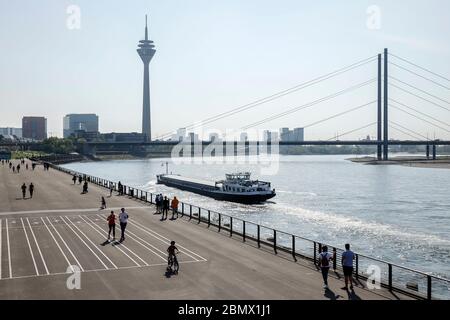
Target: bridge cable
x=412 y=131
x=351 y=131
x=334 y=116
x=420 y=97
x=279 y=94
x=419 y=75
x=307 y=105
x=423 y=91
x=424 y=114
x=413 y=115
x=416 y=65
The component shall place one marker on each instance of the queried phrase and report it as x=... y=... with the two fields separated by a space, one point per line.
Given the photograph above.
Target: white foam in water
x=303 y=193
x=341 y=222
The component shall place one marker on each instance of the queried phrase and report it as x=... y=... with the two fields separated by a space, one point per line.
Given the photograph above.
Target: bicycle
x=172 y=264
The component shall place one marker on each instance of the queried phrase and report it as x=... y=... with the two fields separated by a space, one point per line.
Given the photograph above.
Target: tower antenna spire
x=146 y=31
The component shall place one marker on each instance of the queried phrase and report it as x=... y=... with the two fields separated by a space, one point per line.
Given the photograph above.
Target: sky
x=213 y=56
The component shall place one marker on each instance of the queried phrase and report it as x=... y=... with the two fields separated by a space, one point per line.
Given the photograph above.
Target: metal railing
x=393 y=277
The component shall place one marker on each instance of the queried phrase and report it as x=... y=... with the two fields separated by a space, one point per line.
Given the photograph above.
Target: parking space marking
x=84 y=242
x=95 y=246
x=29 y=246
x=37 y=245
x=117 y=247
x=121 y=244
x=9 y=248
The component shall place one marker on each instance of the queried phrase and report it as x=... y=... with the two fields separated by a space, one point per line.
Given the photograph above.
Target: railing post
x=293 y=248
x=151 y=198
x=190 y=211
x=243 y=230
x=429 y=296
x=231 y=226
x=390 y=276
x=315 y=253
x=209 y=218
x=199 y=214
x=334 y=259
x=182 y=208
x=275 y=241
x=259 y=236
x=146 y=196
x=220 y=221
x=357 y=266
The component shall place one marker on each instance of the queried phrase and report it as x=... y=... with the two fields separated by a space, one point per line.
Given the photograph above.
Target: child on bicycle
x=172 y=255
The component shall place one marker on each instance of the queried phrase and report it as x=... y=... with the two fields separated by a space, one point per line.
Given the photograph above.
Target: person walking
x=103 y=206
x=111 y=225
x=85 y=187
x=158 y=204
x=111 y=189
x=14 y=169
x=26 y=166
x=123 y=219
x=31 y=189
x=18 y=168
x=80 y=179
x=33 y=166
x=174 y=206
x=347 y=265
x=119 y=187
x=324 y=263
x=74 y=179
x=165 y=208
x=24 y=190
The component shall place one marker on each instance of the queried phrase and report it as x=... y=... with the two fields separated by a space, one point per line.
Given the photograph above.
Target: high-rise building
x=34 y=128
x=15 y=132
x=181 y=134
x=270 y=136
x=146 y=51
x=295 y=135
x=72 y=123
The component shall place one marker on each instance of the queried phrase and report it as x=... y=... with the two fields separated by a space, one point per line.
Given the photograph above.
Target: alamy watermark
x=373 y=277
x=373 y=21
x=74 y=280
x=261 y=151
x=73 y=21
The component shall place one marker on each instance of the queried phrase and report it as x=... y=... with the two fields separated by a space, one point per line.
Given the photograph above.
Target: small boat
x=237 y=187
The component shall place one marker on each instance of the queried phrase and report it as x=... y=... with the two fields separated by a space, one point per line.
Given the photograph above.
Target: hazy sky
x=215 y=55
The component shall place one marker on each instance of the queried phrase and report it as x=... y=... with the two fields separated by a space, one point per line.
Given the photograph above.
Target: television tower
x=146 y=51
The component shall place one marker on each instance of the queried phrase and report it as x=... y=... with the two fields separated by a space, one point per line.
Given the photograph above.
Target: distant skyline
x=213 y=56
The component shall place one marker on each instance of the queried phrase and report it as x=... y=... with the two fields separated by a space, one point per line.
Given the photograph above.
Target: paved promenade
x=40 y=238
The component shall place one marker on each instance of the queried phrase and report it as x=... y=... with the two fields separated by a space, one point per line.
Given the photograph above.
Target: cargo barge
x=237 y=187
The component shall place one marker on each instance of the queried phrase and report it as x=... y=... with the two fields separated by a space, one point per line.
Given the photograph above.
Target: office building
x=295 y=135
x=14 y=132
x=87 y=122
x=34 y=128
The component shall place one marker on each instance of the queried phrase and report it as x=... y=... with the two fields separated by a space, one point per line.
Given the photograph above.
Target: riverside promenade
x=60 y=227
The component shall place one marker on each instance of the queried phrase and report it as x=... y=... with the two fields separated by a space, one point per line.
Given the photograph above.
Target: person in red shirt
x=112 y=225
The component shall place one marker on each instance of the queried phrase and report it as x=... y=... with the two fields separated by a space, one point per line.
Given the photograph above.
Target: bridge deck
x=41 y=237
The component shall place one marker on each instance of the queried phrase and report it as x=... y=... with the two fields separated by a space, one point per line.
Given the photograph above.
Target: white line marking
x=122 y=245
x=117 y=247
x=64 y=210
x=65 y=244
x=150 y=232
x=37 y=245
x=60 y=249
x=95 y=246
x=84 y=242
x=96 y=270
x=29 y=246
x=9 y=249
x=133 y=236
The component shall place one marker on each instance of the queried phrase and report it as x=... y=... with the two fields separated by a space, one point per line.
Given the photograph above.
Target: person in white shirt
x=324 y=263
x=123 y=219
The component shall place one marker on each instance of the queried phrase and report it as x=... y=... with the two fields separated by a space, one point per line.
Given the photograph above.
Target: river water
x=395 y=213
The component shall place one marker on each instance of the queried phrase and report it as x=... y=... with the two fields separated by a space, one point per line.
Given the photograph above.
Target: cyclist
x=172 y=260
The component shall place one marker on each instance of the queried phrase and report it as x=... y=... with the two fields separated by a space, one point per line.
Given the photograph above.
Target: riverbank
x=442 y=162
x=60 y=227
